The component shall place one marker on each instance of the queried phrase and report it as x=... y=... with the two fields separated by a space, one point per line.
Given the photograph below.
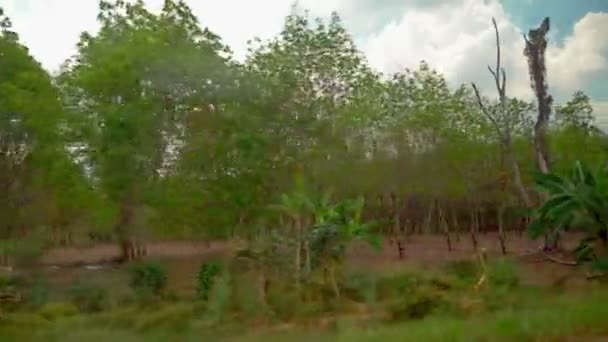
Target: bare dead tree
x=501 y=121
x=536 y=44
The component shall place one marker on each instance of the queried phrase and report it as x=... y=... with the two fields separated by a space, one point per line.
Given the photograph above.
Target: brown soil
x=183 y=258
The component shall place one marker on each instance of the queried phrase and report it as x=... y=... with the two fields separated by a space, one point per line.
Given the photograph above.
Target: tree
x=29 y=120
x=504 y=118
x=137 y=81
x=536 y=44
x=576 y=113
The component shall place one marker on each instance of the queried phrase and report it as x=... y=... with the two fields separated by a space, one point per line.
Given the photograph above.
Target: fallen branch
x=591 y=276
x=559 y=261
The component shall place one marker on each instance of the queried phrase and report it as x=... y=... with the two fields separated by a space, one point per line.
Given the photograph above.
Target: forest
x=157 y=188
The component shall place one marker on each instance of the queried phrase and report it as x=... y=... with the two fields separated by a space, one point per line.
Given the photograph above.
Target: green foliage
x=207 y=274
x=580 y=199
x=336 y=226
x=149 y=278
x=414 y=306
x=503 y=273
x=53 y=311
x=89 y=297
x=173 y=318
x=220 y=298
x=360 y=287
x=463 y=269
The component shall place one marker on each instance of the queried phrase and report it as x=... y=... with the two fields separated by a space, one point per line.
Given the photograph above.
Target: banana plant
x=335 y=228
x=577 y=199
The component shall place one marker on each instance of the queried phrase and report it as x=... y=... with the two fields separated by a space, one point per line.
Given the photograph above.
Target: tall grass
x=573 y=315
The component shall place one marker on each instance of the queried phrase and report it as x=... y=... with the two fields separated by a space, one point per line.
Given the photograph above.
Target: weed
x=148 y=280
x=53 y=311
x=206 y=276
x=89 y=297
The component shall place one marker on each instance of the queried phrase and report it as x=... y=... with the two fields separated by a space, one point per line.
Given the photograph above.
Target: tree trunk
x=474 y=227
x=334 y=281
x=501 y=229
x=517 y=180
x=429 y=217
x=456 y=224
x=125 y=239
x=298 y=255
x=446 y=230
x=536 y=44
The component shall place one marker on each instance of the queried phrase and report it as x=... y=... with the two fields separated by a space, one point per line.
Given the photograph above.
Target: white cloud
x=457 y=38
x=582 y=56
x=600 y=109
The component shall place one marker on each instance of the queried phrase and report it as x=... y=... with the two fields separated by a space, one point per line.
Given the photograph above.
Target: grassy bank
x=551 y=317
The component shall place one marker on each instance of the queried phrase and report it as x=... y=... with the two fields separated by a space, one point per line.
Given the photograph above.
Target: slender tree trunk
x=517 y=180
x=125 y=239
x=429 y=217
x=446 y=230
x=307 y=260
x=298 y=255
x=334 y=281
x=501 y=229
x=481 y=228
x=474 y=227
x=456 y=224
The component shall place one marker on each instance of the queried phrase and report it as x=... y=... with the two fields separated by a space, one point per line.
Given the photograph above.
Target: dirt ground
x=183 y=259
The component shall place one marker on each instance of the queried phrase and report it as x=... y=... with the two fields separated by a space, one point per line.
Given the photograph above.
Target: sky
x=454 y=36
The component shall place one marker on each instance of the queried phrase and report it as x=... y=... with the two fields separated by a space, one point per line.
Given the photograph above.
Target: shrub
x=577 y=199
x=397 y=285
x=416 y=305
x=283 y=301
x=38 y=291
x=10 y=286
x=220 y=297
x=503 y=273
x=89 y=297
x=174 y=317
x=24 y=320
x=148 y=279
x=360 y=287
x=206 y=277
x=52 y=311
x=463 y=269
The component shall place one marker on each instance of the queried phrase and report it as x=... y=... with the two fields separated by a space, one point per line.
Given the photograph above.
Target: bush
x=89 y=297
x=284 y=301
x=463 y=269
x=38 y=291
x=148 y=279
x=398 y=285
x=206 y=277
x=53 y=311
x=503 y=273
x=24 y=320
x=416 y=305
x=174 y=317
x=220 y=297
x=360 y=287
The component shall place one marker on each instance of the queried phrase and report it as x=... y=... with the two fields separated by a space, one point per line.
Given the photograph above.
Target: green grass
x=572 y=315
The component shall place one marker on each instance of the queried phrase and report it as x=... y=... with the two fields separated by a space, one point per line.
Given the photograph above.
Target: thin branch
x=504 y=80
x=496 y=73
x=484 y=109
x=492 y=72
x=497 y=45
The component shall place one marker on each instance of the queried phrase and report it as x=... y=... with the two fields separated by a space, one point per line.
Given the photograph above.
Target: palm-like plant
x=336 y=226
x=576 y=199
